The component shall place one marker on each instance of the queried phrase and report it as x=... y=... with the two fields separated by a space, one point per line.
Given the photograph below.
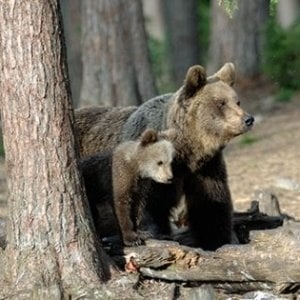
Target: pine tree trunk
x=116 y=65
x=238 y=39
x=71 y=10
x=181 y=22
x=50 y=238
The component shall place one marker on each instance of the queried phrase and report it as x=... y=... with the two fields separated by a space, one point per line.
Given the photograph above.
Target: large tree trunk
x=238 y=39
x=50 y=238
x=181 y=22
x=116 y=65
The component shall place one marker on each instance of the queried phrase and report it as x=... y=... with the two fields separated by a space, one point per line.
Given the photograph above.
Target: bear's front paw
x=132 y=239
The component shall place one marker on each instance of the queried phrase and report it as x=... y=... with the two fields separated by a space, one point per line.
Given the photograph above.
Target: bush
x=284 y=94
x=282 y=55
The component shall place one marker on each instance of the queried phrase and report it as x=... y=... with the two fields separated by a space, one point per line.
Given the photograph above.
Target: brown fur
x=90 y=120
x=117 y=178
x=221 y=118
x=206 y=115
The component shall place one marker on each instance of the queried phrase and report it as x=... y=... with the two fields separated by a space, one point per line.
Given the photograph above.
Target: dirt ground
x=268 y=157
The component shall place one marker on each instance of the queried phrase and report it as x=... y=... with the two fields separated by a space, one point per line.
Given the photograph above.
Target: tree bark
x=116 y=65
x=181 y=21
x=154 y=19
x=238 y=39
x=51 y=242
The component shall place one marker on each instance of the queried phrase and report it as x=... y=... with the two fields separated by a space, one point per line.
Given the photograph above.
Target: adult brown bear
x=207 y=114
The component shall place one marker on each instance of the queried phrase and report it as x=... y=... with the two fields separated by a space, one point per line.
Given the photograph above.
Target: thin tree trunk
x=50 y=240
x=181 y=22
x=116 y=65
x=154 y=19
x=71 y=10
x=238 y=39
x=287 y=12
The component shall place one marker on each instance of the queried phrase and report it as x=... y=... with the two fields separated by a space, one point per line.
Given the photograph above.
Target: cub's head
x=208 y=108
x=155 y=156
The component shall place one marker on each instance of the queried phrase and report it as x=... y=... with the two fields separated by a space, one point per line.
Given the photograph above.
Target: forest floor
x=267 y=158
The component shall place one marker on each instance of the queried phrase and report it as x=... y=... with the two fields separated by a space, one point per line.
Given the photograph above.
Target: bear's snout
x=249 y=120
x=167 y=179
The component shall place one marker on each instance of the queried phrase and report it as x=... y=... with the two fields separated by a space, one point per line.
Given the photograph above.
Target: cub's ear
x=195 y=79
x=226 y=74
x=149 y=136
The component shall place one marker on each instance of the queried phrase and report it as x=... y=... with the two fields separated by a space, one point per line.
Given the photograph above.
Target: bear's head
x=207 y=109
x=154 y=156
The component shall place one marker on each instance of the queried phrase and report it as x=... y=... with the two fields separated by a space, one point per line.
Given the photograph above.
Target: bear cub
x=116 y=177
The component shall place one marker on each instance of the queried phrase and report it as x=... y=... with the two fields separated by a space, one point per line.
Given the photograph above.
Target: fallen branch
x=253 y=219
x=271 y=262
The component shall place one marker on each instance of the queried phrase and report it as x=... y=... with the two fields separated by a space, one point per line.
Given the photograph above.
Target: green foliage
x=284 y=95
x=230 y=6
x=273 y=6
x=204 y=28
x=248 y=139
x=160 y=65
x=282 y=55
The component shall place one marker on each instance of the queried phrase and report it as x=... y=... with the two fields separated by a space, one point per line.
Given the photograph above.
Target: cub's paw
x=132 y=239
x=144 y=235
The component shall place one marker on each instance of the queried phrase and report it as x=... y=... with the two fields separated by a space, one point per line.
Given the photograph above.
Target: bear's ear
x=169 y=134
x=226 y=74
x=195 y=79
x=149 y=136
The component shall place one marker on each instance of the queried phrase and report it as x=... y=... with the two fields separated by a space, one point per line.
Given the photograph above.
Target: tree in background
x=160 y=62
x=154 y=19
x=71 y=10
x=51 y=250
x=239 y=39
x=116 y=65
x=287 y=12
x=181 y=22
x=282 y=51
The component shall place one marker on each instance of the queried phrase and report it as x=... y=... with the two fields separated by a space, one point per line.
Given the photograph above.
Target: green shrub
x=282 y=55
x=248 y=139
x=284 y=95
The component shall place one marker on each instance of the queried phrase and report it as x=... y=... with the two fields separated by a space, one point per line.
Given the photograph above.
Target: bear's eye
x=159 y=163
x=238 y=103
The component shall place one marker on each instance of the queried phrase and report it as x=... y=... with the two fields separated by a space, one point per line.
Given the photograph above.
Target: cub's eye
x=238 y=103
x=159 y=163
x=221 y=103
